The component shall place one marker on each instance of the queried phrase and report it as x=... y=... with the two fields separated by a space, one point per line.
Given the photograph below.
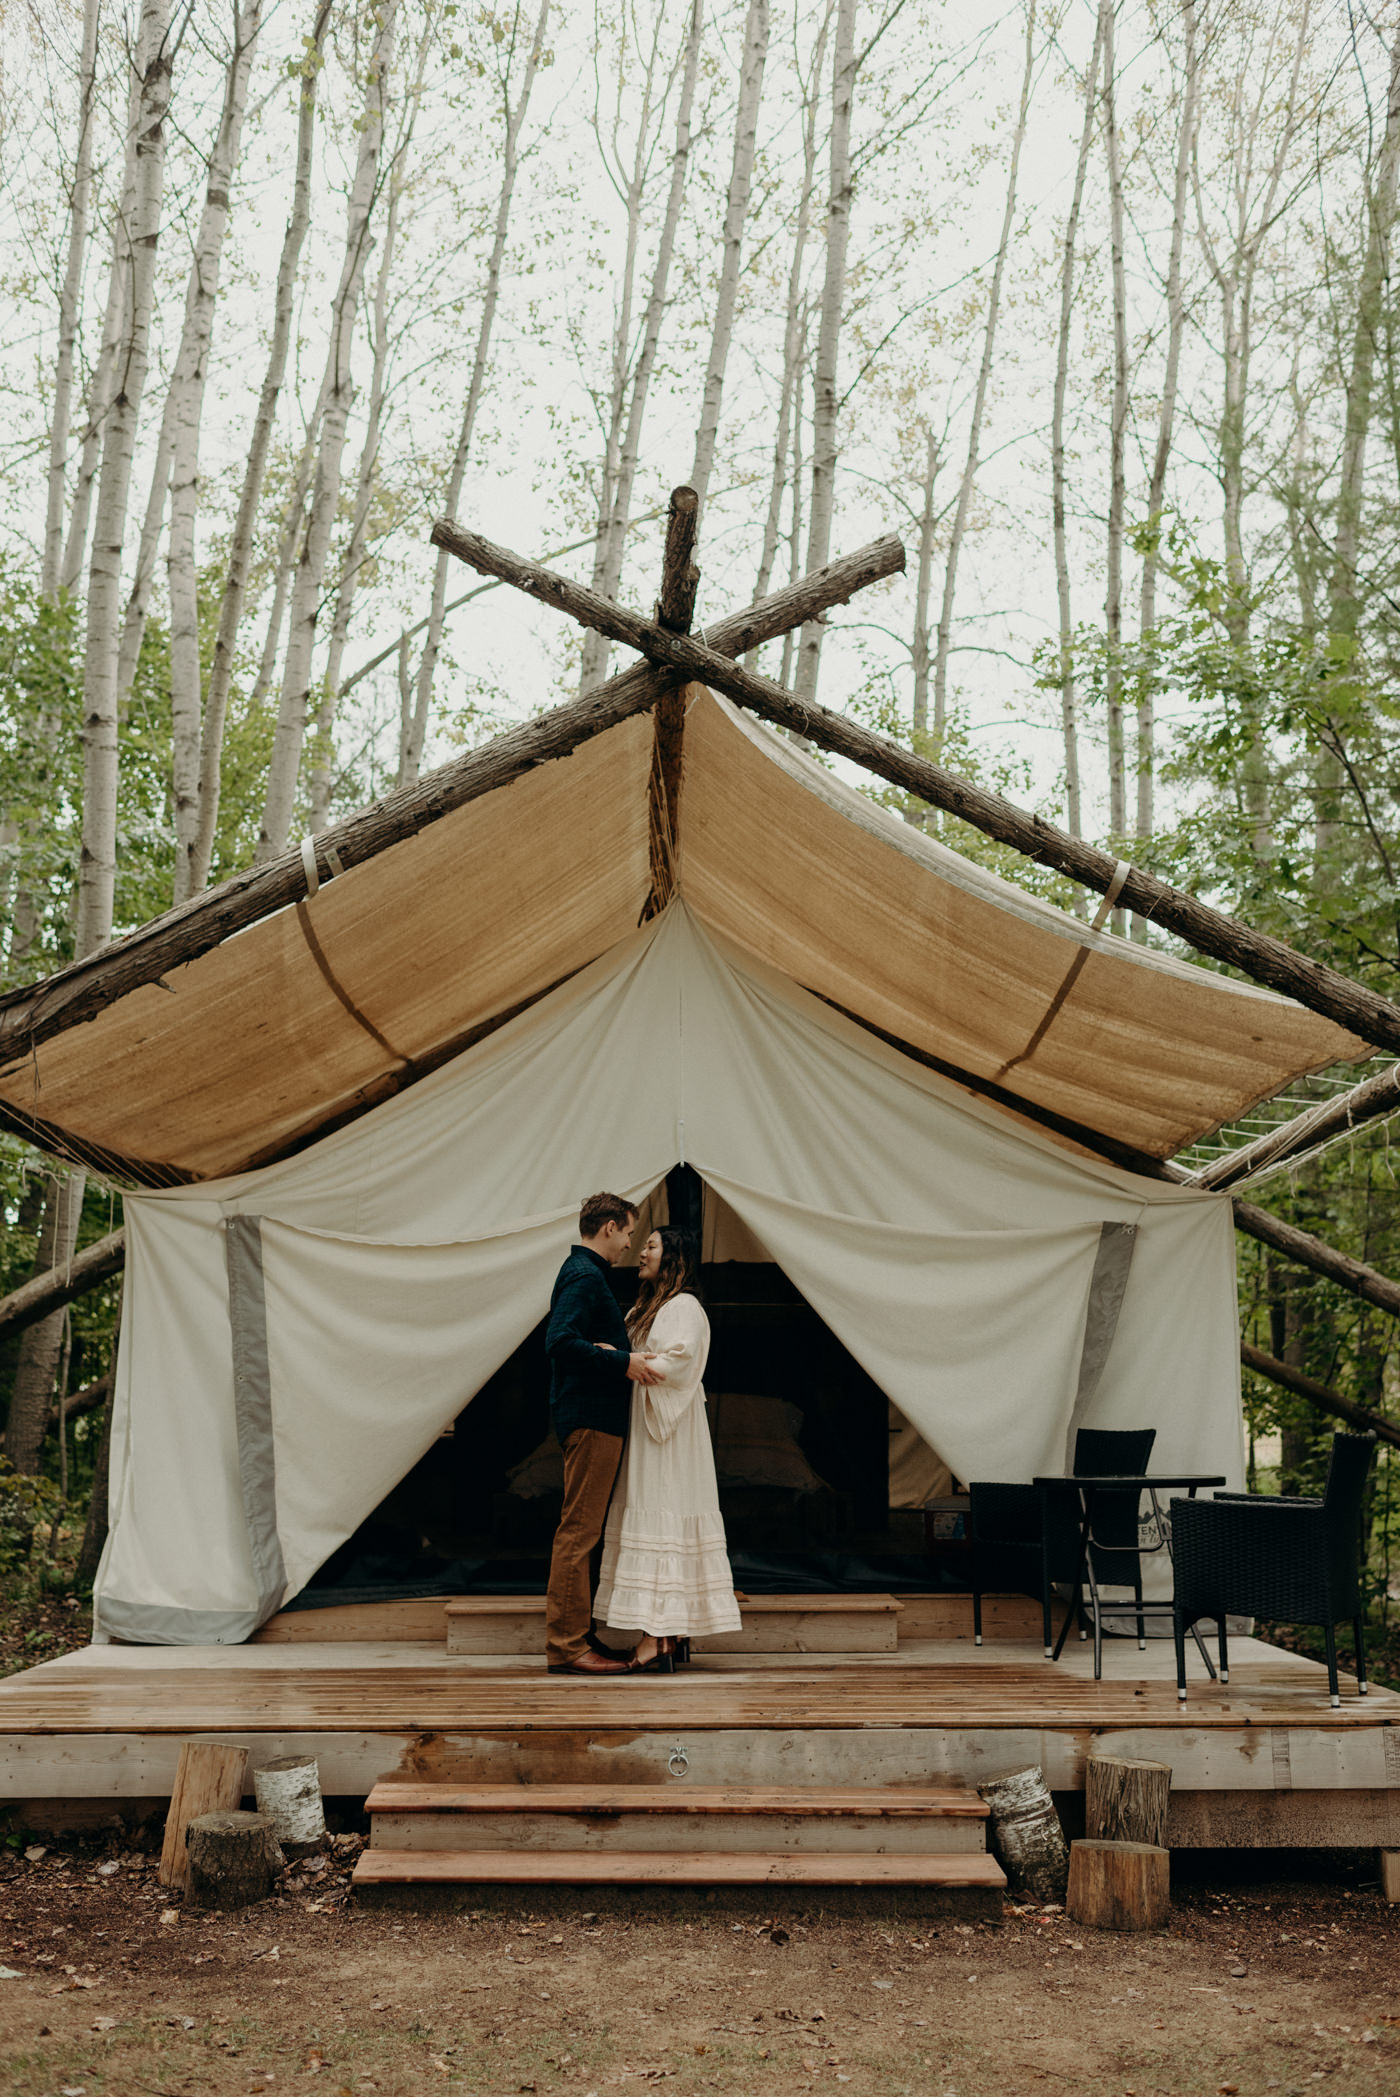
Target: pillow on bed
x=756 y=1443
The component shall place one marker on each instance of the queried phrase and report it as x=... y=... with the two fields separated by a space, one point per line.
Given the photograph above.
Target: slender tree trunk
x=735 y=216
x=138 y=601
x=1118 y=443
x=187 y=400
x=79 y=205
x=979 y=404
x=825 y=399
x=415 y=732
x=1345 y=604
x=923 y=591
x=31 y=1397
x=323 y=752
x=325 y=494
x=790 y=639
x=626 y=446
x=1166 y=424
x=794 y=327
x=1069 y=701
x=245 y=523
x=97 y=871
x=98 y=396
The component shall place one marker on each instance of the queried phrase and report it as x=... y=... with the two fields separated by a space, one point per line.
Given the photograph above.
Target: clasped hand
x=640 y=1367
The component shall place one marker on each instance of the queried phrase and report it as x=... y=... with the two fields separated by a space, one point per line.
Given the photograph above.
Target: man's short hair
x=604 y=1208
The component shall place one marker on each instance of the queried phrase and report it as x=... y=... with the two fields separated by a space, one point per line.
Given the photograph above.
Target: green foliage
x=26 y=1505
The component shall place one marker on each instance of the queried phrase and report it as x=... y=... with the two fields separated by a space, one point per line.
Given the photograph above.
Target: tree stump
x=288 y=1791
x=1119 y=1885
x=1027 y=1834
x=209 y=1779
x=232 y=1859
x=1126 y=1801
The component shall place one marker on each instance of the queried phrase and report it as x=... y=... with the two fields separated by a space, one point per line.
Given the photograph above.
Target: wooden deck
x=1264 y=1759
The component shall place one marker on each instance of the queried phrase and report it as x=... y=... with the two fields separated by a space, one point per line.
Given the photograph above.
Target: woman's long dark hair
x=679 y=1270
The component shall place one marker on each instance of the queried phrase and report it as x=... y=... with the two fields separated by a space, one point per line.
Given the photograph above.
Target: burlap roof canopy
x=315 y=1014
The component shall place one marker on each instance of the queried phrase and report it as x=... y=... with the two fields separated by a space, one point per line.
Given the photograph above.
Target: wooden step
x=483 y=1867
x=889 y=1819
x=1005 y=1618
x=494 y=1624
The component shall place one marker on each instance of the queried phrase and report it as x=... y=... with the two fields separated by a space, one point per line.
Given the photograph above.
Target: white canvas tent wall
x=450 y=1043
x=296 y=1337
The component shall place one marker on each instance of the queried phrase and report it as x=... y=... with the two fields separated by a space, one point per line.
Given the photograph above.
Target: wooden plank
x=949 y=1616
x=211 y=1699
x=209 y=1778
x=416 y=1623
x=138 y=1763
x=815 y=1833
x=889 y=1800
x=387 y=1867
x=749 y=1605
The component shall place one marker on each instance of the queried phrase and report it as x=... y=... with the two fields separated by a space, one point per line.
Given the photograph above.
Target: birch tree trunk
x=735 y=215
x=100 y=382
x=825 y=401
x=1069 y=702
x=923 y=592
x=325 y=494
x=250 y=495
x=366 y=476
x=629 y=403
x=79 y=206
x=414 y=731
x=794 y=331
x=979 y=404
x=1235 y=275
x=791 y=641
x=1166 y=425
x=187 y=407
x=1118 y=441
x=97 y=869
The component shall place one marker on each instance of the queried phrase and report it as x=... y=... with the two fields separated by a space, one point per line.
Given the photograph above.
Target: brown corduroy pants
x=590 y=1469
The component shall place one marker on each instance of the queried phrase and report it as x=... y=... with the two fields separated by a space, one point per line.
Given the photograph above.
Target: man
x=592 y=1369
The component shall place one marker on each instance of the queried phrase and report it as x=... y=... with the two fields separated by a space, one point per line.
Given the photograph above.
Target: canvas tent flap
x=863 y=908
x=404 y=1256
x=319 y=1013
x=239 y=1052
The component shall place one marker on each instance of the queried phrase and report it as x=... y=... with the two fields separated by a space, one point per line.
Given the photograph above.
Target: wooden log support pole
x=1125 y=1800
x=209 y=1778
x=233 y=1859
x=38 y=1011
x=1119 y=1885
x=680 y=578
x=1388 y=1872
x=1369 y=1101
x=49 y=1291
x=1266 y=960
x=675 y=609
x=1320 y=1395
x=1027 y=1834
x=1309 y=1251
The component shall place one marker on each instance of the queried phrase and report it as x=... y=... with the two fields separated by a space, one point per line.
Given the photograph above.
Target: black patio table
x=1139 y=1482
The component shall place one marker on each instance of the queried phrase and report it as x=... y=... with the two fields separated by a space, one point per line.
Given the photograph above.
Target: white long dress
x=665 y=1566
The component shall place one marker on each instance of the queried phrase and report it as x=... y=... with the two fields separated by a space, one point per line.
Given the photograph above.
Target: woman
x=665 y=1568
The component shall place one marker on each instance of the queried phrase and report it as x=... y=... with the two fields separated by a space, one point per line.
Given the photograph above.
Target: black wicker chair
x=1029 y=1541
x=1263 y=1555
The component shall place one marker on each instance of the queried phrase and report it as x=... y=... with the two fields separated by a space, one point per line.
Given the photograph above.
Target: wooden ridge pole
x=1365 y=1102
x=1267 y=960
x=37 y=1012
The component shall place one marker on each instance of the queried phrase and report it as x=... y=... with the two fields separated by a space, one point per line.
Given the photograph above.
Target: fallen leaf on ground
x=104 y=2023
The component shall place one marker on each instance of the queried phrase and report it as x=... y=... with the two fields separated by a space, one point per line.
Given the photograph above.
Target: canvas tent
x=364 y=1124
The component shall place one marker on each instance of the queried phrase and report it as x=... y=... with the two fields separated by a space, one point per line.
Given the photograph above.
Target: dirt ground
x=111 y=1989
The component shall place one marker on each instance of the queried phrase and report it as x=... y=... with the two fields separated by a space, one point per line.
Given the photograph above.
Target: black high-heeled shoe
x=662 y=1661
x=682 y=1652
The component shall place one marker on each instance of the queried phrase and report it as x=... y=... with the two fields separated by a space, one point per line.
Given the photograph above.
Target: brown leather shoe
x=589 y=1663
